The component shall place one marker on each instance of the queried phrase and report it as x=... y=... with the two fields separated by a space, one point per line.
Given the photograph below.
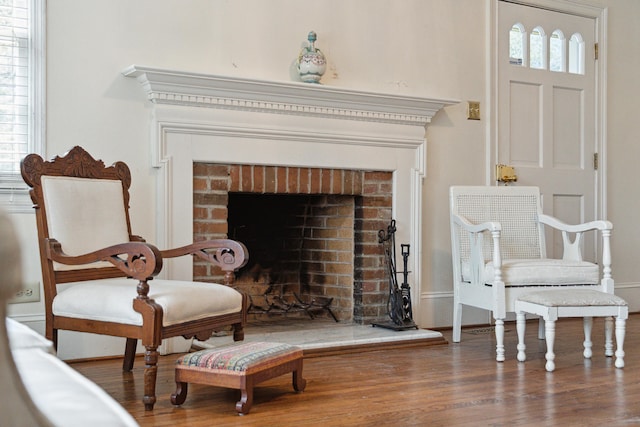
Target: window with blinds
x=21 y=89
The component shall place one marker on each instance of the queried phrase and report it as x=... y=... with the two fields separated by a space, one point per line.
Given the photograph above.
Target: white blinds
x=14 y=85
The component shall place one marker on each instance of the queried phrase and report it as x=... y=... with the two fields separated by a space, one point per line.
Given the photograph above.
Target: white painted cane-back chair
x=498 y=252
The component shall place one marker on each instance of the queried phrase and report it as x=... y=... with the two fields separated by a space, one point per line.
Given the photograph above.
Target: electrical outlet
x=29 y=293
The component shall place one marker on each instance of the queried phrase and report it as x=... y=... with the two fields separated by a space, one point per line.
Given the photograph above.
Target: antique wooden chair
x=97 y=275
x=498 y=253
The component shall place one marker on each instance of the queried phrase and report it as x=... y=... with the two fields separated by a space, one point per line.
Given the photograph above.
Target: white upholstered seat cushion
x=541 y=272
x=111 y=300
x=572 y=298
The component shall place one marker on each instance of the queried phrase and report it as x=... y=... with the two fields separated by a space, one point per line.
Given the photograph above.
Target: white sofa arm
x=64 y=396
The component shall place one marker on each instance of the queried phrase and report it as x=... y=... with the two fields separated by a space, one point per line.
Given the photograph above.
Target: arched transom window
x=538 y=50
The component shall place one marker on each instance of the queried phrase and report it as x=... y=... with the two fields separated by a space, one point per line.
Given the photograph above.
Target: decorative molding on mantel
x=212 y=91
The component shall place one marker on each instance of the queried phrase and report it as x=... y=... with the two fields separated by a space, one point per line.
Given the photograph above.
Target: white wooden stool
x=585 y=303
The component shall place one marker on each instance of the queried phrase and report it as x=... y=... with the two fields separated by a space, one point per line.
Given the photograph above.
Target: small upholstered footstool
x=240 y=366
x=585 y=303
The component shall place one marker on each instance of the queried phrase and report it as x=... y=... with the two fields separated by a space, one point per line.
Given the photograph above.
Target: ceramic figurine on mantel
x=311 y=62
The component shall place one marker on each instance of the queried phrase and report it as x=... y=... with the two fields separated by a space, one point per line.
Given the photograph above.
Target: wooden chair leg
x=521 y=326
x=588 y=326
x=129 y=354
x=150 y=375
x=620 y=333
x=550 y=334
x=180 y=394
x=238 y=332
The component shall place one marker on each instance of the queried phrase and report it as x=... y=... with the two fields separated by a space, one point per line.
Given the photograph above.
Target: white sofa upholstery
x=63 y=396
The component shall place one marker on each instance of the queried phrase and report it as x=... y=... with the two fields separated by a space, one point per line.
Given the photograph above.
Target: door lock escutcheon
x=505 y=173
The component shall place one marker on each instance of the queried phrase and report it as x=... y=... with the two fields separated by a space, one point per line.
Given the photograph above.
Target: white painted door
x=546 y=110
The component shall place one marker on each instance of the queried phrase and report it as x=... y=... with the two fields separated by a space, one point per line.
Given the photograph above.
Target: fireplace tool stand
x=399 y=299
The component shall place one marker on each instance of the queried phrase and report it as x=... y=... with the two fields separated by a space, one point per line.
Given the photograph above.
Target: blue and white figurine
x=311 y=62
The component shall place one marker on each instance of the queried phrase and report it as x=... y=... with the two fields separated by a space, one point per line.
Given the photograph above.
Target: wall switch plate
x=473 y=110
x=30 y=292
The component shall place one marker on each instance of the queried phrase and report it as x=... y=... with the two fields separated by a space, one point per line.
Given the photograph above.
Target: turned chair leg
x=150 y=375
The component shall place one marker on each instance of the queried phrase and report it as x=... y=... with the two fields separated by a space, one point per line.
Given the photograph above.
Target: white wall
x=430 y=48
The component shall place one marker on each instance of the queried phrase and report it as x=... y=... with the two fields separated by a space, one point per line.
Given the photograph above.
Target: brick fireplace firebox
x=345 y=265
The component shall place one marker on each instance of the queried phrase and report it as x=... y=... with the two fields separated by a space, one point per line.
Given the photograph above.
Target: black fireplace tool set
x=399 y=298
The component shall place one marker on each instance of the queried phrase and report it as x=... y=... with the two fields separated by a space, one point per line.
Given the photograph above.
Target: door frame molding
x=600 y=15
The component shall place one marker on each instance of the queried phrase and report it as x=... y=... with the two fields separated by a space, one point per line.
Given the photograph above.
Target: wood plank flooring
x=446 y=385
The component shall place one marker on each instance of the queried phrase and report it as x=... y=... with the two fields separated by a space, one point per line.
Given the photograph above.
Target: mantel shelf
x=212 y=91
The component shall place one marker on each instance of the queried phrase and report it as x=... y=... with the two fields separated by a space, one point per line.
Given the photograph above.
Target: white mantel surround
x=217 y=119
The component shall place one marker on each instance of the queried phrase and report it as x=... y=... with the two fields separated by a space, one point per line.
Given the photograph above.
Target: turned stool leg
x=588 y=327
x=500 y=340
x=620 y=332
x=550 y=333
x=521 y=329
x=608 y=336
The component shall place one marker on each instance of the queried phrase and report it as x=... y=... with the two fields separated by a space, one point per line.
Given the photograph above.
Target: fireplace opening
x=301 y=253
x=311 y=233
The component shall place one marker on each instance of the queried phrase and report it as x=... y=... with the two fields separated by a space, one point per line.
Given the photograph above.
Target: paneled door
x=546 y=109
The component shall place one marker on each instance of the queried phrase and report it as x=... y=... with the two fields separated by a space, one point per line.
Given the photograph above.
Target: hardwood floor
x=446 y=385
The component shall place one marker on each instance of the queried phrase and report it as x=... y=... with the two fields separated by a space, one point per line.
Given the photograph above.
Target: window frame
x=14 y=196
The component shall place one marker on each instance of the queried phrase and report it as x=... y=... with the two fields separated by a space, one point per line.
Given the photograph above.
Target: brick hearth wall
x=373 y=197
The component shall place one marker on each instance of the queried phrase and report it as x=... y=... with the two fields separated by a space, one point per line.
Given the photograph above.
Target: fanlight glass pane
x=557 y=49
x=516 y=45
x=576 y=54
x=537 y=57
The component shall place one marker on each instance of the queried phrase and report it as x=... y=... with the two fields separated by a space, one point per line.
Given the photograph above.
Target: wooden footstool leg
x=243 y=406
x=180 y=395
x=299 y=383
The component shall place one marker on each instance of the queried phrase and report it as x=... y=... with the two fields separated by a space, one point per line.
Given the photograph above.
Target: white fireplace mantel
x=230 y=120
x=207 y=90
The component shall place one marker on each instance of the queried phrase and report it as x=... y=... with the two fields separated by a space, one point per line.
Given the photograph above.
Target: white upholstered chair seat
x=96 y=300
x=540 y=272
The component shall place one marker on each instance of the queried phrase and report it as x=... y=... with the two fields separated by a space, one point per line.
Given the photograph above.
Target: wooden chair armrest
x=142 y=261
x=227 y=254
